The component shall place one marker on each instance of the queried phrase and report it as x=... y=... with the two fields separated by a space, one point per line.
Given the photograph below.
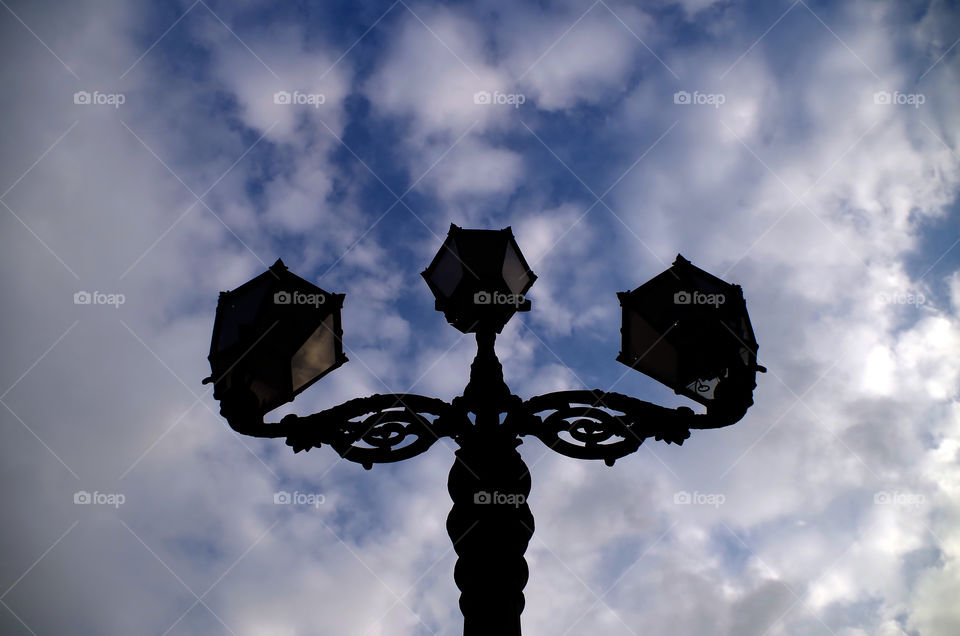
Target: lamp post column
x=490 y=523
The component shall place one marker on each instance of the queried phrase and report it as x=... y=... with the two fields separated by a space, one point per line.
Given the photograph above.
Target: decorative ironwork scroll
x=378 y=428
x=599 y=425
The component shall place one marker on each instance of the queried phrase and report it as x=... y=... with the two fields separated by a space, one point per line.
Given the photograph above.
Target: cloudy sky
x=807 y=150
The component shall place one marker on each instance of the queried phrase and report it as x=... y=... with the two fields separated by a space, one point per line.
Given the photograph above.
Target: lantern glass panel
x=315 y=356
x=270 y=385
x=449 y=270
x=514 y=273
x=242 y=313
x=650 y=352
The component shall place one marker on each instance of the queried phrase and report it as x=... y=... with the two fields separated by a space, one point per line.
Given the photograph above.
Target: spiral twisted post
x=490 y=523
x=490 y=526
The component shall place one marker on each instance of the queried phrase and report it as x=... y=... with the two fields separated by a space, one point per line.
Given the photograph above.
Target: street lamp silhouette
x=278 y=334
x=273 y=337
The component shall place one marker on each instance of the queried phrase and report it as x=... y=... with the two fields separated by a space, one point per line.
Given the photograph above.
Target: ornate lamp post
x=277 y=334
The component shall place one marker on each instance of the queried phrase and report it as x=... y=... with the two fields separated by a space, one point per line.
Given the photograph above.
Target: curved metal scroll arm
x=600 y=425
x=379 y=428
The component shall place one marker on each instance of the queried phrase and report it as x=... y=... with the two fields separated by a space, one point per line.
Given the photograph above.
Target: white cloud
x=861 y=396
x=553 y=65
x=430 y=74
x=475 y=168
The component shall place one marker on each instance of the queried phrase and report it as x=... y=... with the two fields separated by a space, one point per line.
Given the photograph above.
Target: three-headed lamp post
x=277 y=334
